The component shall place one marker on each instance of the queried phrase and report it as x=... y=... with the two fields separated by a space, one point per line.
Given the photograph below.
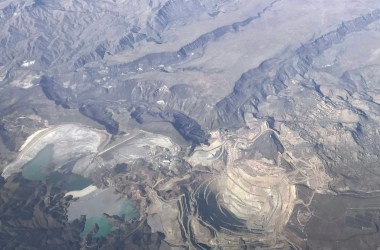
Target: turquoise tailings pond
x=98 y=202
x=36 y=169
x=71 y=182
x=92 y=202
x=127 y=210
x=104 y=226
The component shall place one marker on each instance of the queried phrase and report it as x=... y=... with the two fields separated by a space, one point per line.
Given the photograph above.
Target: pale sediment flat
x=31 y=137
x=83 y=192
x=69 y=141
x=96 y=203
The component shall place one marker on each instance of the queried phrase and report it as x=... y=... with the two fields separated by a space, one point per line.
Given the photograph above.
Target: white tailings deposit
x=31 y=137
x=100 y=201
x=83 y=192
x=70 y=141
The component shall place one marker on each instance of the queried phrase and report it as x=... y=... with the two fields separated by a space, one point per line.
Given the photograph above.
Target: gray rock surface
x=230 y=122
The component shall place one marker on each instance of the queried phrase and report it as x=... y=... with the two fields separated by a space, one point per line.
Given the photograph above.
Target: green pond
x=127 y=209
x=77 y=182
x=104 y=226
x=36 y=169
x=71 y=181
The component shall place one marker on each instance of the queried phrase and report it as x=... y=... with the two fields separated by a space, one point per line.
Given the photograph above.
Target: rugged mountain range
x=230 y=124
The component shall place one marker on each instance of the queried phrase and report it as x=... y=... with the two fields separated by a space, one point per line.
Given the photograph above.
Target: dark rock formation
x=187 y=127
x=32 y=216
x=102 y=115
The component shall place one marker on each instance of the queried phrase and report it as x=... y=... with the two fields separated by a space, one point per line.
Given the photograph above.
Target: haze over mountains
x=221 y=124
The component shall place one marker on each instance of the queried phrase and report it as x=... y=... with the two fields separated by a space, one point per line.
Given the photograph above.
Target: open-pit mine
x=189 y=124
